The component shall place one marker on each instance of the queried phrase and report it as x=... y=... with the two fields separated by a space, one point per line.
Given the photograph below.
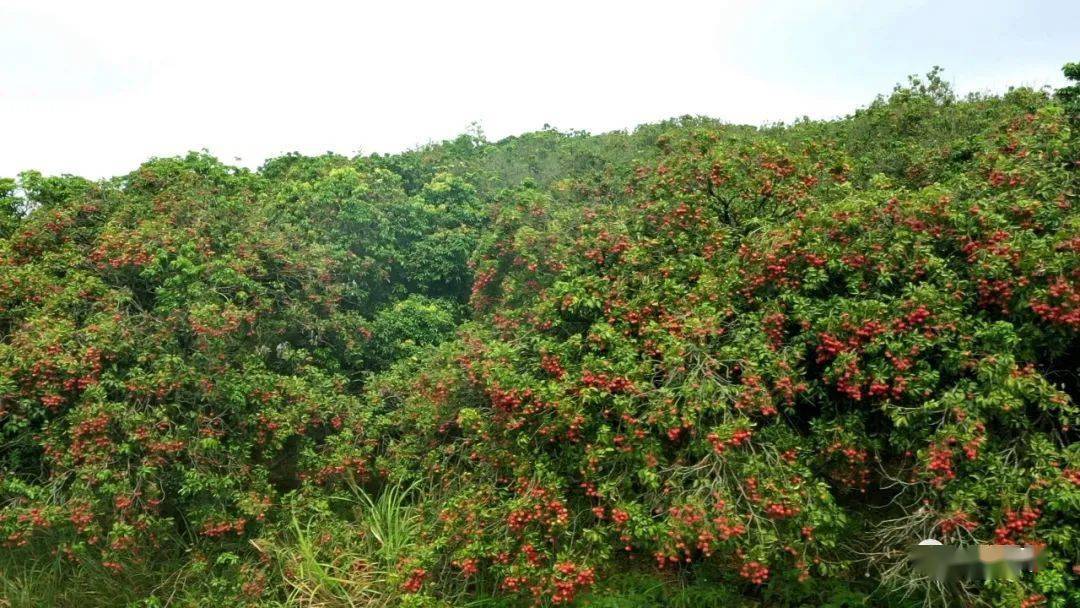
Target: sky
x=96 y=88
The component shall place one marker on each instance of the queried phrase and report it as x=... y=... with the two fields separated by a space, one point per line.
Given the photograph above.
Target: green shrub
x=694 y=364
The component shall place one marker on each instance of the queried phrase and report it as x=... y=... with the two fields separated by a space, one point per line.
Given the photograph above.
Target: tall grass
x=322 y=560
x=390 y=524
x=355 y=566
x=26 y=582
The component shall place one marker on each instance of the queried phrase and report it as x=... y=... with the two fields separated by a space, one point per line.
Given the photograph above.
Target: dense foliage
x=695 y=364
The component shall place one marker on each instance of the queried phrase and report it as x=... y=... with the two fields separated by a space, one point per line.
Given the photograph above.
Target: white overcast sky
x=95 y=88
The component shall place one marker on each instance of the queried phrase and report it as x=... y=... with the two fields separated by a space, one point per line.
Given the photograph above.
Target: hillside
x=695 y=364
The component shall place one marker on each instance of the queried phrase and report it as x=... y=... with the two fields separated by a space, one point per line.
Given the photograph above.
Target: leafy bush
x=694 y=364
x=755 y=369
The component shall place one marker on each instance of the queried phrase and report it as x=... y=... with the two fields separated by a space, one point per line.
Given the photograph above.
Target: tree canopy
x=689 y=364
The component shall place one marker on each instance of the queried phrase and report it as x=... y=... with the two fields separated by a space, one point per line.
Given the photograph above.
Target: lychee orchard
x=693 y=364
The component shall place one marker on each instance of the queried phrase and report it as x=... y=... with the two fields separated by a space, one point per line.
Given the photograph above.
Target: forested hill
x=695 y=364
